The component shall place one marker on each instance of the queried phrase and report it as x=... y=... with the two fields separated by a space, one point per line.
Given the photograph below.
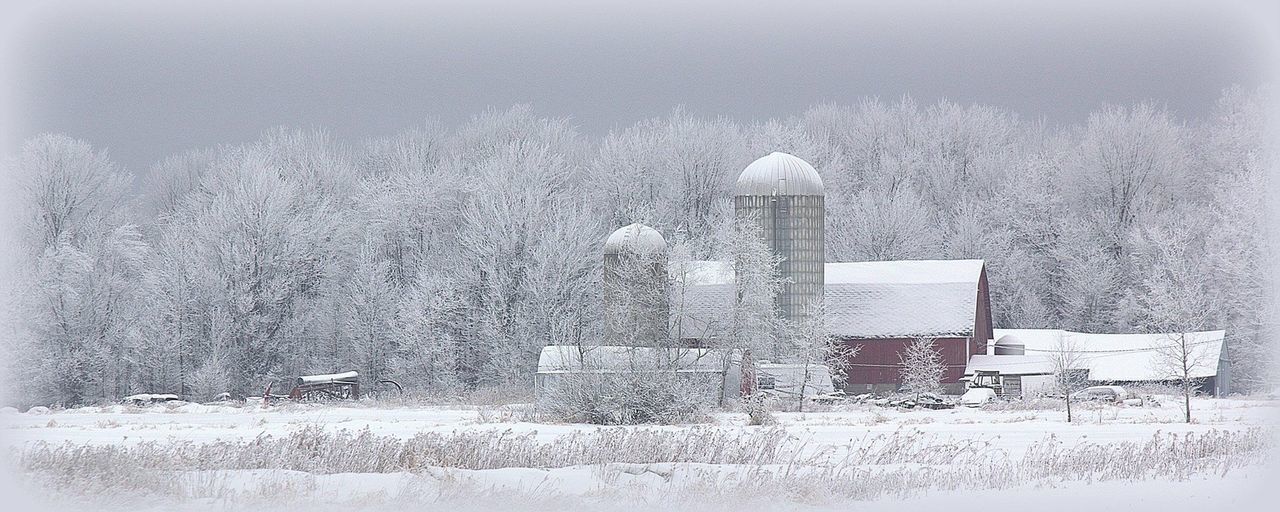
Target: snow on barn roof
x=635 y=238
x=605 y=359
x=878 y=299
x=701 y=273
x=779 y=174
x=899 y=299
x=700 y=298
x=1116 y=357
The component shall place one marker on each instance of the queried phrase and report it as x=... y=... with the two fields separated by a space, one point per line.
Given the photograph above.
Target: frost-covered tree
x=756 y=317
x=670 y=174
x=1174 y=296
x=1070 y=373
x=429 y=330
x=263 y=241
x=368 y=307
x=81 y=305
x=1129 y=162
x=922 y=367
x=811 y=344
x=886 y=221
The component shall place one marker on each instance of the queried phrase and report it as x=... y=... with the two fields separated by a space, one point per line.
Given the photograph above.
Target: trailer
x=332 y=386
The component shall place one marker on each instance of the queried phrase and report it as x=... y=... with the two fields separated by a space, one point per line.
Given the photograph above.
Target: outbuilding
x=1125 y=359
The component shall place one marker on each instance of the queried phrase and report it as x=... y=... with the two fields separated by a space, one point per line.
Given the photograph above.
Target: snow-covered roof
x=901 y=299
x=1120 y=357
x=779 y=174
x=1032 y=364
x=877 y=299
x=150 y=397
x=328 y=378
x=635 y=238
x=570 y=358
x=702 y=292
x=1009 y=340
x=701 y=273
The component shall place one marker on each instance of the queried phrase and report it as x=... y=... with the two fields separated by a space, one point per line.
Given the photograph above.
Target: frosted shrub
x=1027 y=404
x=758 y=411
x=626 y=398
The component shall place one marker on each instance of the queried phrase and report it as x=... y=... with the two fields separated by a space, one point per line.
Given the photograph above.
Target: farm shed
x=715 y=374
x=1015 y=373
x=1131 y=359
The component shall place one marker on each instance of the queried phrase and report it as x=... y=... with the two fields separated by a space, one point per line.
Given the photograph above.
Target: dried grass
x=776 y=463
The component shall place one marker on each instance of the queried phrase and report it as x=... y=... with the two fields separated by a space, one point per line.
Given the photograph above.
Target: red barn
x=882 y=306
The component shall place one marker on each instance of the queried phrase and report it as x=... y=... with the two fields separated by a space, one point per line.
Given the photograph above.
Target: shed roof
x=607 y=358
x=1115 y=357
x=1031 y=364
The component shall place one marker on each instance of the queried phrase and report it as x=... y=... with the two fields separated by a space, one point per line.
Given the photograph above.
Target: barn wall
x=877 y=366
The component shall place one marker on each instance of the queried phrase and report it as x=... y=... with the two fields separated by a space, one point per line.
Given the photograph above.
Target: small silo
x=786 y=195
x=636 y=304
x=1010 y=345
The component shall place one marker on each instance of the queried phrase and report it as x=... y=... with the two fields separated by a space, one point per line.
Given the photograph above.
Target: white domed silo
x=636 y=305
x=1010 y=345
x=786 y=195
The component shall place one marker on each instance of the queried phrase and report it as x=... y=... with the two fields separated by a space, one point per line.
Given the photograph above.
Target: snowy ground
x=1008 y=434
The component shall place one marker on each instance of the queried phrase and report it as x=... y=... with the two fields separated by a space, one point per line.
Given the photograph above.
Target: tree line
x=447 y=257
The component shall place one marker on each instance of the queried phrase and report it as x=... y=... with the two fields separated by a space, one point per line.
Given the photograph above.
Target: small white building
x=1024 y=357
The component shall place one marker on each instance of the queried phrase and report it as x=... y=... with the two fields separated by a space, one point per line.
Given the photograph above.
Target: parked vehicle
x=1114 y=394
x=976 y=397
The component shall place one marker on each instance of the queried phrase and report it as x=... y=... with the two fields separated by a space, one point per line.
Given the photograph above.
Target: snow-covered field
x=815 y=459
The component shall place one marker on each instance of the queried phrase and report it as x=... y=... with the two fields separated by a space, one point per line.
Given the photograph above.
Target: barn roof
x=902 y=299
x=702 y=293
x=605 y=359
x=879 y=299
x=1114 y=357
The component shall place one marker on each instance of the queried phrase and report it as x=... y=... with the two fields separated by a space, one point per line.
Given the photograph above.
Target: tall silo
x=636 y=304
x=786 y=195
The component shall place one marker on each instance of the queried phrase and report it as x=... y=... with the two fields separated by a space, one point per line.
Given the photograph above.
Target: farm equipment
x=344 y=385
x=988 y=379
x=333 y=386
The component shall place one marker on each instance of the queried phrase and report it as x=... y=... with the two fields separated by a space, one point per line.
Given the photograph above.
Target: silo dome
x=636 y=305
x=779 y=174
x=1010 y=345
x=636 y=239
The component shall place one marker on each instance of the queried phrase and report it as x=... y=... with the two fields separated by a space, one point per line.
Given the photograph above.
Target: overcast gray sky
x=151 y=79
